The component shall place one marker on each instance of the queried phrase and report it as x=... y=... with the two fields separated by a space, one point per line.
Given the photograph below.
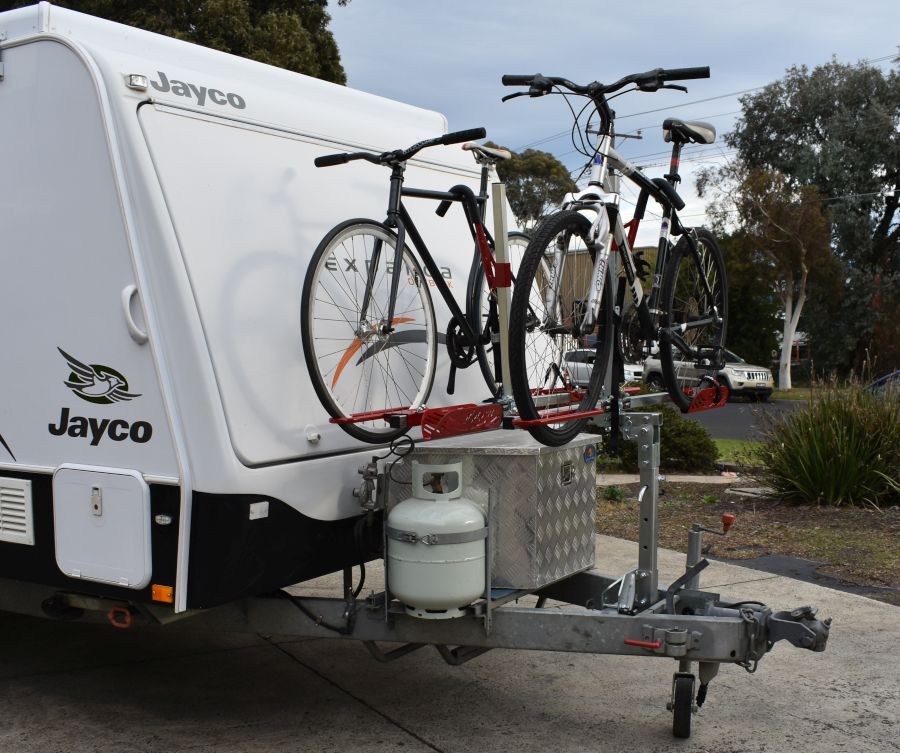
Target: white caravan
x=160 y=440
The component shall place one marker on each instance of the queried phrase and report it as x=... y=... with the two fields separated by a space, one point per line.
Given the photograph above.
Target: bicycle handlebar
x=646 y=81
x=400 y=155
x=683 y=74
x=331 y=159
x=459 y=136
x=511 y=79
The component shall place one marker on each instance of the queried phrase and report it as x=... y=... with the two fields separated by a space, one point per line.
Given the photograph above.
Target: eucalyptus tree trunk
x=792 y=310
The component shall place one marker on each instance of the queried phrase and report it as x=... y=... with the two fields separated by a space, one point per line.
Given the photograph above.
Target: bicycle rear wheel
x=355 y=365
x=695 y=317
x=547 y=345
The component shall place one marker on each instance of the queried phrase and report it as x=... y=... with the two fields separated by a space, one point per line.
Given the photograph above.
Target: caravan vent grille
x=16 y=523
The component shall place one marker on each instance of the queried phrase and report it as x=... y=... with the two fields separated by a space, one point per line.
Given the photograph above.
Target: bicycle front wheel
x=359 y=361
x=558 y=363
x=695 y=302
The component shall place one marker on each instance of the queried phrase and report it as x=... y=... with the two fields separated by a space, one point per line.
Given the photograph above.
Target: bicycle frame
x=609 y=234
x=398 y=218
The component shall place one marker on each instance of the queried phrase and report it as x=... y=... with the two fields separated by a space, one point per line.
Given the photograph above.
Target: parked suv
x=581 y=362
x=740 y=377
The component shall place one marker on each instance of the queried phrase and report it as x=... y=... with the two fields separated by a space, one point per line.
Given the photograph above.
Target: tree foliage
x=788 y=231
x=535 y=182
x=835 y=128
x=753 y=305
x=290 y=34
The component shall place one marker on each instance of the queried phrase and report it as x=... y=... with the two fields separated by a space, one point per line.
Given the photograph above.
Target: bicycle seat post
x=672 y=176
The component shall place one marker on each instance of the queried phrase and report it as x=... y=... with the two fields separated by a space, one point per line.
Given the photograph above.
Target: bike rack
x=558 y=405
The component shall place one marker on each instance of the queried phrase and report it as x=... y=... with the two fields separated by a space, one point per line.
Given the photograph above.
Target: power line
x=645 y=112
x=561 y=134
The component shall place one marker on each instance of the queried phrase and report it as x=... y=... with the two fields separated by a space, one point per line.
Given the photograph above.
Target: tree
x=535 y=182
x=753 y=304
x=787 y=228
x=290 y=34
x=836 y=129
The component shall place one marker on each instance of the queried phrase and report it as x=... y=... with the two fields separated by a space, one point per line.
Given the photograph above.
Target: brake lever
x=679 y=87
x=513 y=96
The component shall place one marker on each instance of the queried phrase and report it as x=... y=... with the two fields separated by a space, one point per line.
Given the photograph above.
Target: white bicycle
x=682 y=318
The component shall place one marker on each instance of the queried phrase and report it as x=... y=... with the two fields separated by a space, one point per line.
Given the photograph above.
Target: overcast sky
x=449 y=56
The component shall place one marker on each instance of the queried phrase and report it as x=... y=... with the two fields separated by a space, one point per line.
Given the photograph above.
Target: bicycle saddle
x=685 y=131
x=486 y=152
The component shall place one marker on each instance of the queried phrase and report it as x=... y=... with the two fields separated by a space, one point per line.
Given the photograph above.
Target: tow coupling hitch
x=799 y=627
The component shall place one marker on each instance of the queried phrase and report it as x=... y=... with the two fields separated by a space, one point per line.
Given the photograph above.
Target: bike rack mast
x=498 y=197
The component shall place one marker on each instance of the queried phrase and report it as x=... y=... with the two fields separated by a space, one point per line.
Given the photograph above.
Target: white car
x=741 y=378
x=581 y=362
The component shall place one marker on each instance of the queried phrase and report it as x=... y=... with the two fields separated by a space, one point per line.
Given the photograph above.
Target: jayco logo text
x=95 y=429
x=200 y=93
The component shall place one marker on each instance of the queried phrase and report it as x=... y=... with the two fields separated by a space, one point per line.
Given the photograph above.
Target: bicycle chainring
x=462 y=353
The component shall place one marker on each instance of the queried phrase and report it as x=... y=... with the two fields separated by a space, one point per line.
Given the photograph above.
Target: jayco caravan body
x=159 y=436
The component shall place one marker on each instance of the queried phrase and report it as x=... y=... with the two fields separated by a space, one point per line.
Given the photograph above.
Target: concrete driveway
x=73 y=687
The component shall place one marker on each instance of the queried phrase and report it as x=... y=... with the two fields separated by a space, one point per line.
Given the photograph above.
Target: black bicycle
x=369 y=332
x=683 y=317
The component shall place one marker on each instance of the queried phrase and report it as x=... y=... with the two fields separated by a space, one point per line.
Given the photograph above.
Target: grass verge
x=735 y=450
x=796 y=393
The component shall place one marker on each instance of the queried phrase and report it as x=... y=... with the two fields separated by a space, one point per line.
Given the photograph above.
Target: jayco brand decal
x=95 y=383
x=95 y=429
x=200 y=93
x=101 y=385
x=6 y=447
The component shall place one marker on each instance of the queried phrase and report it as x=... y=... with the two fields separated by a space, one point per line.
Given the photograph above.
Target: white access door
x=101 y=525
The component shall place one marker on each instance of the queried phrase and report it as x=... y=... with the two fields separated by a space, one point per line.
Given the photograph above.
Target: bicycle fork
x=393 y=221
x=600 y=240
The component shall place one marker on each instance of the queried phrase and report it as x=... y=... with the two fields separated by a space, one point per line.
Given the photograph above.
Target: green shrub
x=843 y=447
x=684 y=445
x=613 y=494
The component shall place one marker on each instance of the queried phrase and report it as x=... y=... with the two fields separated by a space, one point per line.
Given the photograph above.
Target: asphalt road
x=742 y=420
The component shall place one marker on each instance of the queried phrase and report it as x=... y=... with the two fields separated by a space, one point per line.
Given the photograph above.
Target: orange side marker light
x=165 y=594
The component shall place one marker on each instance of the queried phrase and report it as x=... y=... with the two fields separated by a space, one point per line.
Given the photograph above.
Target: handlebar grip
x=328 y=160
x=511 y=79
x=459 y=136
x=682 y=74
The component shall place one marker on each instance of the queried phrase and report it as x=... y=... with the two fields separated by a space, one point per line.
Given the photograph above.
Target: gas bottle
x=436 y=542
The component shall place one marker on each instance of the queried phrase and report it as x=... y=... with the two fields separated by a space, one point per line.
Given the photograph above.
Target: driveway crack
x=358 y=699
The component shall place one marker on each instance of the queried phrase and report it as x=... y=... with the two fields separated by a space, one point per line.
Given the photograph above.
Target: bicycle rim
x=688 y=305
x=355 y=366
x=540 y=339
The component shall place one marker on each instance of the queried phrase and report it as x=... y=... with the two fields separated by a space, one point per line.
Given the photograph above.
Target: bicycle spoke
x=373 y=364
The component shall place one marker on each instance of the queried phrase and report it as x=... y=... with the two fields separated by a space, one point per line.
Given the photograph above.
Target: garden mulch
x=851 y=548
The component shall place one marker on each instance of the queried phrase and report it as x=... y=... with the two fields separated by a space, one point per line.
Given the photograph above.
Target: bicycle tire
x=516 y=244
x=684 y=301
x=540 y=340
x=394 y=370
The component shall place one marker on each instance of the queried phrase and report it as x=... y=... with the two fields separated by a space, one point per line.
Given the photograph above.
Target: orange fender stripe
x=353 y=348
